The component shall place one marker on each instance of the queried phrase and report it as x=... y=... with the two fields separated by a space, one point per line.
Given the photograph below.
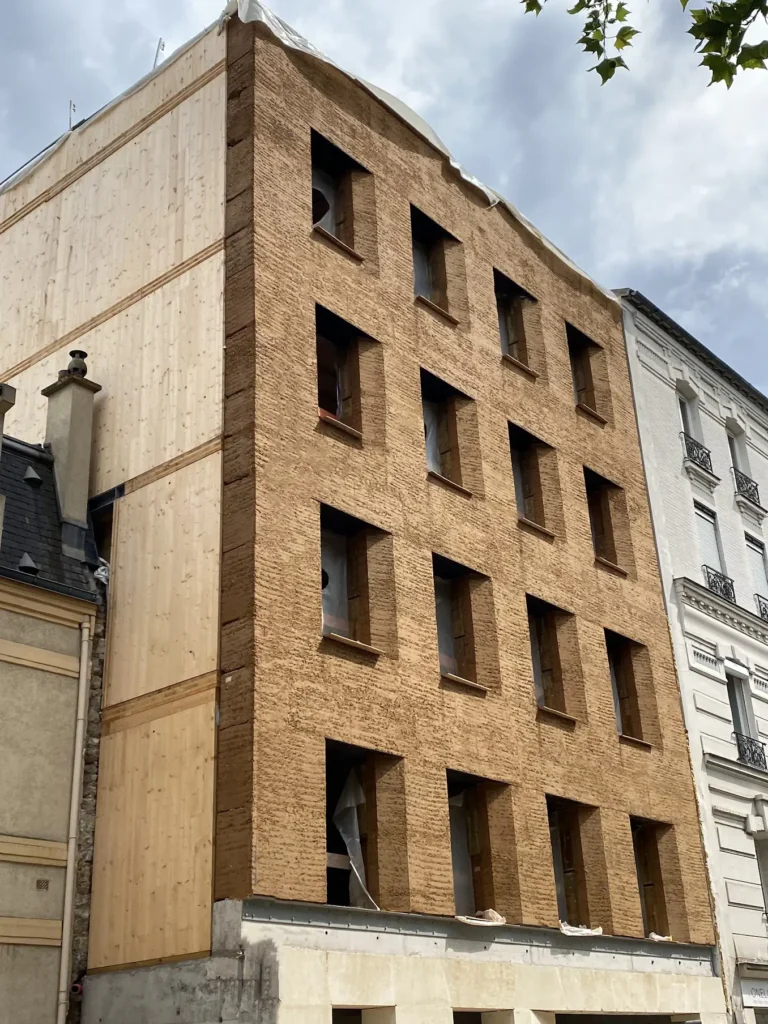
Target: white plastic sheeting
x=252 y=10
x=346 y=820
x=431 y=411
x=333 y=559
x=463 y=887
x=578 y=929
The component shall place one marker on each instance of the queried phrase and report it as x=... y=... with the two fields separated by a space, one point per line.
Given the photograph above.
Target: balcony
x=751 y=752
x=746 y=487
x=748 y=498
x=696 y=452
x=762 y=606
x=697 y=462
x=719 y=583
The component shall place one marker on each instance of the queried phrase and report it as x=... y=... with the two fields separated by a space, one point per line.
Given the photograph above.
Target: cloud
x=653 y=181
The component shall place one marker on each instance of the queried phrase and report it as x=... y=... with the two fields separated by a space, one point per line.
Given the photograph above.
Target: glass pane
x=615 y=691
x=756 y=556
x=738 y=706
x=517 y=475
x=684 y=416
x=334 y=583
x=422 y=272
x=444 y=616
x=706 y=524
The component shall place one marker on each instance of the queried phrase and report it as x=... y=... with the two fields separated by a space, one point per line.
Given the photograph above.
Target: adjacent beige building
x=391 y=731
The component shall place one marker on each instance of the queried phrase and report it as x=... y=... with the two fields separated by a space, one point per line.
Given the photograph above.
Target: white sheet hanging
x=346 y=820
x=335 y=593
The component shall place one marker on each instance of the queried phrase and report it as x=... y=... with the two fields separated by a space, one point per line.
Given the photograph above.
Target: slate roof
x=32 y=524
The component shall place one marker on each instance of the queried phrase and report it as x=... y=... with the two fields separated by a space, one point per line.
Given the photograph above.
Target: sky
x=654 y=181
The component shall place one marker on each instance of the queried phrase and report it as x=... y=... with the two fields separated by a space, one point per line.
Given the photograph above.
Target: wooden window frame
x=650 y=880
x=548 y=681
x=473 y=791
x=511 y=302
x=440 y=413
x=338 y=341
x=526 y=453
x=453 y=586
x=621 y=652
x=429 y=242
x=610 y=539
x=568 y=860
x=333 y=173
x=358 y=535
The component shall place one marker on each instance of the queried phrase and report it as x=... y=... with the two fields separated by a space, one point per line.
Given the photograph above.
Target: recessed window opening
x=568 y=862
x=545 y=655
x=600 y=520
x=756 y=558
x=350 y=799
x=526 y=451
x=645 y=842
x=470 y=843
x=709 y=544
x=338 y=368
x=581 y=351
x=453 y=610
x=737 y=698
x=429 y=265
x=440 y=405
x=623 y=684
x=332 y=173
x=510 y=306
x=344 y=575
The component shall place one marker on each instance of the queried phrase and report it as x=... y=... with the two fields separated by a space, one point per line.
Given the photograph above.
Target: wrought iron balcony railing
x=696 y=452
x=719 y=583
x=751 y=752
x=746 y=486
x=762 y=606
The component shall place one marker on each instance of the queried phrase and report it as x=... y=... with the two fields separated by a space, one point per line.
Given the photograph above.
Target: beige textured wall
x=30 y=976
x=37 y=732
x=303 y=691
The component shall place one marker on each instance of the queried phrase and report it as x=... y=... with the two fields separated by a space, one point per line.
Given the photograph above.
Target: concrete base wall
x=290 y=964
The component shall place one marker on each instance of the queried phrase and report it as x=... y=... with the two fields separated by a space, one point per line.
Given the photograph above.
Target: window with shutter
x=567 y=860
x=439 y=403
x=332 y=194
x=599 y=497
x=545 y=655
x=709 y=547
x=649 y=877
x=338 y=369
x=623 y=684
x=430 y=272
x=581 y=351
x=756 y=557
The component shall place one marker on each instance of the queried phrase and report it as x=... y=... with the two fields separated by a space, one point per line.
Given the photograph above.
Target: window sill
x=346 y=249
x=530 y=524
x=633 y=741
x=543 y=711
x=333 y=421
x=470 y=684
x=592 y=413
x=507 y=358
x=446 y=481
x=356 y=645
x=437 y=309
x=610 y=566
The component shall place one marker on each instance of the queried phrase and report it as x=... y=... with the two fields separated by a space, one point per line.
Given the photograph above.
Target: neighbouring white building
x=704 y=435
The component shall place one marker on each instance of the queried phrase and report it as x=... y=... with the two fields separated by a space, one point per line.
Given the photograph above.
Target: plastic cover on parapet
x=252 y=10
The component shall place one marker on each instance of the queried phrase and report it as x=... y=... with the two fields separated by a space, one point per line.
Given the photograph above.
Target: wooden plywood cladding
x=140 y=105
x=160 y=366
x=152 y=856
x=165 y=577
x=152 y=204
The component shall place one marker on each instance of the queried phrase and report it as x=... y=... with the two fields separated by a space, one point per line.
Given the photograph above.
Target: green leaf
x=581 y=5
x=625 y=36
x=722 y=69
x=532 y=6
x=607 y=68
x=622 y=11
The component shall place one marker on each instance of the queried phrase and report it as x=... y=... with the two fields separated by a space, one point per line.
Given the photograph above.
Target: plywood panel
x=165 y=583
x=152 y=856
x=154 y=203
x=137 y=105
x=159 y=364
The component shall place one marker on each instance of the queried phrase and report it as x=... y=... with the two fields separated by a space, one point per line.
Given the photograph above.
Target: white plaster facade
x=714 y=638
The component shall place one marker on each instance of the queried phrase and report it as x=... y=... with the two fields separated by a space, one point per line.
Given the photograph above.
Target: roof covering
x=253 y=10
x=666 y=323
x=32 y=524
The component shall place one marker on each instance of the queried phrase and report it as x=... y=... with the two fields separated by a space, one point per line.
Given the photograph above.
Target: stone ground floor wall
x=292 y=964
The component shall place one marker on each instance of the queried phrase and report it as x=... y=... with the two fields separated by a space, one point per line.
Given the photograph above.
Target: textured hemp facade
x=386 y=638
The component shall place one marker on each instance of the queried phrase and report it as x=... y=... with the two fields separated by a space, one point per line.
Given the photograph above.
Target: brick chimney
x=7 y=401
x=68 y=430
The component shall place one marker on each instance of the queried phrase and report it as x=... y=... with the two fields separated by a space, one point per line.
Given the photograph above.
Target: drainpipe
x=67 y=926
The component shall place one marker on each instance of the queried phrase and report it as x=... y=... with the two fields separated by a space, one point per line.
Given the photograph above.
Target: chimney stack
x=68 y=430
x=7 y=401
